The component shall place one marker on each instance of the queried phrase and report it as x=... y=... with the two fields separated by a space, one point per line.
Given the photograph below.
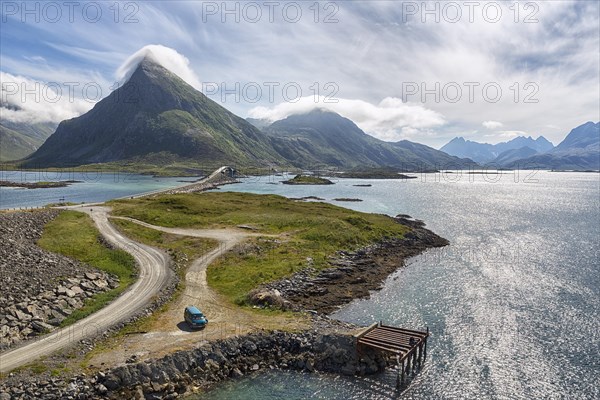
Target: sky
x=422 y=71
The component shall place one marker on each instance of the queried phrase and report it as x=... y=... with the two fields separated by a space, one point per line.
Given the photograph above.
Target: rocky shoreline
x=352 y=275
x=328 y=347
x=37 y=185
x=186 y=372
x=39 y=288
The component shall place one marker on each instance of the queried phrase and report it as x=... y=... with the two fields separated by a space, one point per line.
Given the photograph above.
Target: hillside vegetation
x=306 y=232
x=74 y=235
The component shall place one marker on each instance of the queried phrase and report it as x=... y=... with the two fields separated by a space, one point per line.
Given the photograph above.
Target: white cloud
x=390 y=120
x=165 y=56
x=29 y=101
x=503 y=136
x=492 y=124
x=369 y=54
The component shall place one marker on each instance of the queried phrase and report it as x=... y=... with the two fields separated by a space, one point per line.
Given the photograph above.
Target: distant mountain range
x=324 y=138
x=484 y=152
x=20 y=139
x=156 y=118
x=155 y=115
x=580 y=150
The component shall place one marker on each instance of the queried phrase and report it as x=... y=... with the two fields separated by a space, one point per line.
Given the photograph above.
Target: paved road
x=154 y=274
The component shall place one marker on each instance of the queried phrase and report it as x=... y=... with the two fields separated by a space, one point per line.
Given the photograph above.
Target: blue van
x=194 y=317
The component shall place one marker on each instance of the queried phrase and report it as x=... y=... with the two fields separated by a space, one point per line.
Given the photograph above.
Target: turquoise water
x=92 y=187
x=513 y=303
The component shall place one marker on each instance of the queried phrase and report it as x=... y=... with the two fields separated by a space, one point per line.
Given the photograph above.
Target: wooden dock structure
x=407 y=345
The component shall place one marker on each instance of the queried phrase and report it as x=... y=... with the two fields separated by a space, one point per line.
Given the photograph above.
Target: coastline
x=37 y=185
x=352 y=276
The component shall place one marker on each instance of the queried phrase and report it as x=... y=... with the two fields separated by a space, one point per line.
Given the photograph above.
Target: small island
x=346 y=199
x=36 y=185
x=307 y=198
x=307 y=180
x=374 y=174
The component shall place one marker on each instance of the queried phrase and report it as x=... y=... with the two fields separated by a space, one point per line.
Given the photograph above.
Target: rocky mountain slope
x=155 y=112
x=323 y=138
x=580 y=150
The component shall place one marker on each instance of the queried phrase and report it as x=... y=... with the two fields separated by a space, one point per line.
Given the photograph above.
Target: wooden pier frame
x=409 y=346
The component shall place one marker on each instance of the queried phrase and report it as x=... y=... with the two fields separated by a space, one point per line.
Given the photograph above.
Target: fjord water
x=91 y=187
x=513 y=304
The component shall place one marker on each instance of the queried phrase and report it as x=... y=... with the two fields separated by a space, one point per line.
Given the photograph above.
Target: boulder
x=91 y=276
x=41 y=327
x=101 y=283
x=77 y=290
x=21 y=316
x=267 y=298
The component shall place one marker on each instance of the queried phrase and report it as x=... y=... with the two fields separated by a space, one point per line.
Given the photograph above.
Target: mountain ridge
x=156 y=117
x=155 y=111
x=579 y=150
x=486 y=152
x=321 y=137
x=20 y=139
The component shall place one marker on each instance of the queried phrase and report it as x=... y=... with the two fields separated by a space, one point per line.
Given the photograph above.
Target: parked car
x=194 y=317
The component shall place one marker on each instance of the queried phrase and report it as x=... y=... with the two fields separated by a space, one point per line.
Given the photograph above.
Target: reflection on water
x=513 y=303
x=90 y=187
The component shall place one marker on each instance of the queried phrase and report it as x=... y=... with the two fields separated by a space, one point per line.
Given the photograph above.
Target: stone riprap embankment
x=39 y=288
x=184 y=372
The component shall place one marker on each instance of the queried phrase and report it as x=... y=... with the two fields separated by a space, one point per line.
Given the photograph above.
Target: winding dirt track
x=197 y=290
x=154 y=274
x=169 y=332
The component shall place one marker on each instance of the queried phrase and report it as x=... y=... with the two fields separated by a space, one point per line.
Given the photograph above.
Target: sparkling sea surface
x=513 y=303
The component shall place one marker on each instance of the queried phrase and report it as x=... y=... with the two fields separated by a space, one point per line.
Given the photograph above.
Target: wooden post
x=425 y=347
x=414 y=361
x=402 y=377
x=399 y=371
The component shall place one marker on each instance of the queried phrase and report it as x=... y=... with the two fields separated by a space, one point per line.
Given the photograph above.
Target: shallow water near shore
x=513 y=304
x=89 y=187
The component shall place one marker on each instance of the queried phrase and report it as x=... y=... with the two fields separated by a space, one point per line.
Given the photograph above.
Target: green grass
x=74 y=235
x=183 y=249
x=190 y=246
x=306 y=229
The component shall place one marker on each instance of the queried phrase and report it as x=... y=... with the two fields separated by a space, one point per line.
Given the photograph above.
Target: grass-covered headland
x=74 y=235
x=307 y=233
